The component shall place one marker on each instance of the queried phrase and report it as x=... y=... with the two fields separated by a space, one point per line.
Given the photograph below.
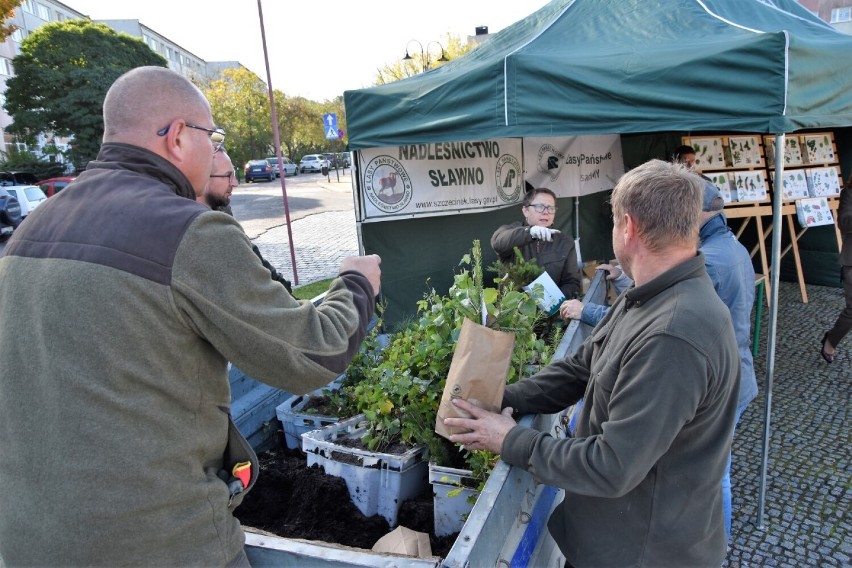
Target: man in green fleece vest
x=659 y=376
x=122 y=300
x=217 y=196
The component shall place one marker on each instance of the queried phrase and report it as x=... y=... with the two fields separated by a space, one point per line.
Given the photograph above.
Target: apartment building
x=838 y=13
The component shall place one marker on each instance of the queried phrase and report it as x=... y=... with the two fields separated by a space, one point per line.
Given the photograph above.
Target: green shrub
x=400 y=390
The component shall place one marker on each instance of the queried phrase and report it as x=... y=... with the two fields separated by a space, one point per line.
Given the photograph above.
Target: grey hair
x=664 y=200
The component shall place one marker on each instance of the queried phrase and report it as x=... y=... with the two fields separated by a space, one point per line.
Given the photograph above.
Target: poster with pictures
x=795 y=185
x=792 y=151
x=745 y=151
x=813 y=212
x=750 y=186
x=722 y=181
x=819 y=149
x=709 y=153
x=822 y=182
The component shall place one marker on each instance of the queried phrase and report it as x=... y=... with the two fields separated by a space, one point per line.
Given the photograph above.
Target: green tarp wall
x=428 y=249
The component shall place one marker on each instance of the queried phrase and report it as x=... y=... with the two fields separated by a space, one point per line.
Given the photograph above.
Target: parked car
x=17 y=178
x=52 y=186
x=29 y=196
x=290 y=168
x=344 y=159
x=10 y=213
x=258 y=169
x=313 y=163
x=273 y=163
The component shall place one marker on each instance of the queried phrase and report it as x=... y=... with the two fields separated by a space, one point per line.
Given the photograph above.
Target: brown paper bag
x=405 y=541
x=477 y=373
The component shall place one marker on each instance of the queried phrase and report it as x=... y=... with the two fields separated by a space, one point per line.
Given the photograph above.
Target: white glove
x=542 y=233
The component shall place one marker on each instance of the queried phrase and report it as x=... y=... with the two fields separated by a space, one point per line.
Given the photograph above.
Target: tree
x=300 y=125
x=62 y=75
x=408 y=68
x=239 y=101
x=7 y=10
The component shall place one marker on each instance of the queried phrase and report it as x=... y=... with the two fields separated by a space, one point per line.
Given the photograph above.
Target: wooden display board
x=810 y=170
x=736 y=165
x=742 y=166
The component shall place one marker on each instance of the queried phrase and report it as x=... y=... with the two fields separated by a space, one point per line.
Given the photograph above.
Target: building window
x=28 y=6
x=60 y=17
x=43 y=12
x=6 y=66
x=839 y=15
x=17 y=35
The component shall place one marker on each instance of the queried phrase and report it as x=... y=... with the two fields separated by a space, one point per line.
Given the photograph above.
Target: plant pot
x=452 y=498
x=378 y=482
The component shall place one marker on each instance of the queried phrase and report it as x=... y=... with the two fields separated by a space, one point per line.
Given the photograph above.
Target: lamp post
x=424 y=53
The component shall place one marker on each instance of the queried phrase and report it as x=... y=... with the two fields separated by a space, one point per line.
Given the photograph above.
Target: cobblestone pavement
x=321 y=241
x=806 y=518
x=806 y=514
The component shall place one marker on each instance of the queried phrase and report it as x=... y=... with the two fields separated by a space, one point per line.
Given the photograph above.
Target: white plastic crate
x=451 y=511
x=378 y=482
x=296 y=422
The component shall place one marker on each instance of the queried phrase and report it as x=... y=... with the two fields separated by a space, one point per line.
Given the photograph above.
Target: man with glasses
x=217 y=196
x=118 y=444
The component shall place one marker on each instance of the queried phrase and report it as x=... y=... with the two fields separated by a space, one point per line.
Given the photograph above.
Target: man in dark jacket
x=217 y=196
x=660 y=376
x=117 y=437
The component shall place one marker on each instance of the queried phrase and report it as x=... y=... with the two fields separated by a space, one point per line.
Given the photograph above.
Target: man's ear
x=175 y=141
x=629 y=231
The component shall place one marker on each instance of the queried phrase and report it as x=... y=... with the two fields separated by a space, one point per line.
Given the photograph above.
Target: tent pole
x=774 y=275
x=577 y=233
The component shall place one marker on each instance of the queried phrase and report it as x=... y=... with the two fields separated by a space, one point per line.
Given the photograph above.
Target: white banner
x=574 y=165
x=440 y=178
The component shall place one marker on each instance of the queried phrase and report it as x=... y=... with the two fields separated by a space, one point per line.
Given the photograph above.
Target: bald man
x=121 y=301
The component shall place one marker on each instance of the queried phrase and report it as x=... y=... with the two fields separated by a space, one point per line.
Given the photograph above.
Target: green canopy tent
x=579 y=67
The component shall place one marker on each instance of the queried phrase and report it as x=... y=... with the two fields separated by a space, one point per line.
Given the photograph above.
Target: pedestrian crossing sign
x=329 y=124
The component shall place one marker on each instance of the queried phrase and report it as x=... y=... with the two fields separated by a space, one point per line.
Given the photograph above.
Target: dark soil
x=320 y=405
x=294 y=501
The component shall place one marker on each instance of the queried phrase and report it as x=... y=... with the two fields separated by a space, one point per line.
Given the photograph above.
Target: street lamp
x=424 y=53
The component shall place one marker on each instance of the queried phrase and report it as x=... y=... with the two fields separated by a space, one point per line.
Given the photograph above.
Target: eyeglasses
x=228 y=175
x=217 y=135
x=541 y=208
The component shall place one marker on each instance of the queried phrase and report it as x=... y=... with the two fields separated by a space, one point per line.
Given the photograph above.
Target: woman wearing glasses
x=551 y=250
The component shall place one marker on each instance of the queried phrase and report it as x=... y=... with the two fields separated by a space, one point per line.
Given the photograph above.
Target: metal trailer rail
x=506 y=527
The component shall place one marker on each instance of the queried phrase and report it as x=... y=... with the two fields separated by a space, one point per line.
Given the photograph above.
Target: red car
x=54 y=185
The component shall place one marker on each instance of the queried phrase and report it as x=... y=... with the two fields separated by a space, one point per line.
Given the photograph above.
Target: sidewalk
x=809 y=479
x=321 y=242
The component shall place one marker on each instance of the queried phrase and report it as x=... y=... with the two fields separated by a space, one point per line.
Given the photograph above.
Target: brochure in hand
x=552 y=296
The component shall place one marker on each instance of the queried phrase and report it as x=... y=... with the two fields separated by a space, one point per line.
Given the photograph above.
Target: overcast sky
x=316 y=49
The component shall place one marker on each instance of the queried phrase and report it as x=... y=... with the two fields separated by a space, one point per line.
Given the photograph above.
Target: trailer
x=506 y=527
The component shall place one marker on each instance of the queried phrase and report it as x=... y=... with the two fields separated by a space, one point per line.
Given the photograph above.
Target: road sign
x=340 y=134
x=329 y=124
